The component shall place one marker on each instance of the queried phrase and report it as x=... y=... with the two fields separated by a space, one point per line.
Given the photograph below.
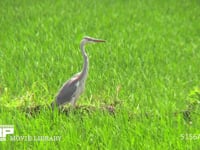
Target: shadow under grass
x=35 y=110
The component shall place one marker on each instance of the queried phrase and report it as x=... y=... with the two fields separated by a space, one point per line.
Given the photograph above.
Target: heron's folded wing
x=67 y=91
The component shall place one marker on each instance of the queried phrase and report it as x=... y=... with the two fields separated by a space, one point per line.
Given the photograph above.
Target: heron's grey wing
x=67 y=91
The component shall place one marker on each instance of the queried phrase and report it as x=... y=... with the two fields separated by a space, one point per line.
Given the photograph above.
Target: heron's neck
x=84 y=71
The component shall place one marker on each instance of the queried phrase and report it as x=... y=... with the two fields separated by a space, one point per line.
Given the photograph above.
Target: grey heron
x=73 y=88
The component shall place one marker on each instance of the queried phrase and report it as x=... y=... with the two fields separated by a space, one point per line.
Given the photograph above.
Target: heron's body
x=72 y=89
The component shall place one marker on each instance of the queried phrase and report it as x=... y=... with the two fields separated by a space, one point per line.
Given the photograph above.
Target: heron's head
x=87 y=39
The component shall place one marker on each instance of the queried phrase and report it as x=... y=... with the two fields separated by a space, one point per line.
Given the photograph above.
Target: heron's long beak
x=97 y=40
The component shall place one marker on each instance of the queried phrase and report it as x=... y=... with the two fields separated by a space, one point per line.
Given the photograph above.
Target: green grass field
x=148 y=71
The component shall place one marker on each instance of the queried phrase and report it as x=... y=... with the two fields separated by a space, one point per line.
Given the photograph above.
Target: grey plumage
x=67 y=91
x=73 y=88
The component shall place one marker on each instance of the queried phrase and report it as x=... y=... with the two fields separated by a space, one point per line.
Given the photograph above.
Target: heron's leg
x=73 y=102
